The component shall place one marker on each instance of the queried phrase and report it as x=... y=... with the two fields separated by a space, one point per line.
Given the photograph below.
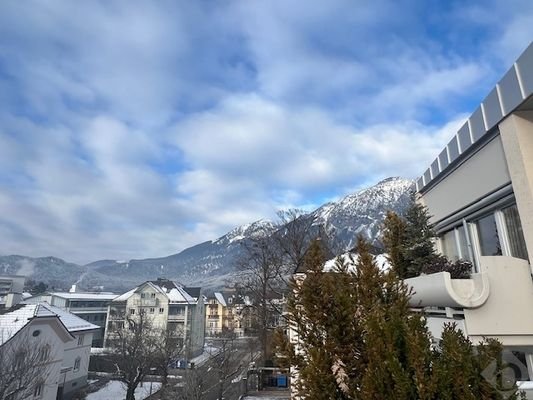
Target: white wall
x=71 y=352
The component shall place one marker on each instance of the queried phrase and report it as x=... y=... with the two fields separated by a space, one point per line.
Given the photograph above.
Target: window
x=454 y=244
x=515 y=235
x=44 y=353
x=152 y=295
x=449 y=245
x=20 y=359
x=132 y=311
x=489 y=241
x=161 y=310
x=38 y=391
x=152 y=310
x=143 y=295
x=496 y=233
x=80 y=340
x=36 y=333
x=77 y=363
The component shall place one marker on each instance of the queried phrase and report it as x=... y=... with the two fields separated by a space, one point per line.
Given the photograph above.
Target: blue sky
x=131 y=130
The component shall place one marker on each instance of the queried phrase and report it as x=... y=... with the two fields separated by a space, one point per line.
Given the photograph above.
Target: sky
x=137 y=129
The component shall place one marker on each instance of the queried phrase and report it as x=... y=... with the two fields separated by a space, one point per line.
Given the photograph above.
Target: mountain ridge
x=211 y=262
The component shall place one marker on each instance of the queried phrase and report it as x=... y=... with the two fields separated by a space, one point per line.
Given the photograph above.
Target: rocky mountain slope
x=210 y=263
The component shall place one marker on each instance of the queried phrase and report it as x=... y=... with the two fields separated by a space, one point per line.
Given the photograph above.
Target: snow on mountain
x=210 y=263
x=255 y=229
x=363 y=212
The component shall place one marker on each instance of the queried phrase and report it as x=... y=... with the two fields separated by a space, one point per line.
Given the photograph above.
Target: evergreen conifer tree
x=394 y=241
x=419 y=239
x=358 y=339
x=409 y=244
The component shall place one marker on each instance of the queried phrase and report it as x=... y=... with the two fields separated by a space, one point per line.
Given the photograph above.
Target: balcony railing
x=147 y=302
x=213 y=316
x=176 y=317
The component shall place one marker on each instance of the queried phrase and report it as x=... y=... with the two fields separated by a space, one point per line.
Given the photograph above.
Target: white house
x=47 y=348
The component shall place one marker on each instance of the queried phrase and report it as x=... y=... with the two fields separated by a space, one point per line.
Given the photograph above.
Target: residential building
x=11 y=290
x=92 y=307
x=169 y=306
x=216 y=315
x=228 y=312
x=49 y=349
x=479 y=191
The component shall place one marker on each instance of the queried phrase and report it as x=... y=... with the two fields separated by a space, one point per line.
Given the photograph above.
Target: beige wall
x=506 y=315
x=517 y=138
x=478 y=176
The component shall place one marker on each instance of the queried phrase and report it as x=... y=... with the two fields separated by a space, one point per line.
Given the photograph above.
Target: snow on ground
x=209 y=352
x=116 y=390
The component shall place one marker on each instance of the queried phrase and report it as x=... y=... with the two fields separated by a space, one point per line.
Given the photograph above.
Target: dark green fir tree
x=357 y=338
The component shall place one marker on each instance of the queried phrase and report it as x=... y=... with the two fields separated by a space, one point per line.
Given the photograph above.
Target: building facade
x=92 y=307
x=48 y=348
x=228 y=312
x=479 y=191
x=11 y=290
x=169 y=306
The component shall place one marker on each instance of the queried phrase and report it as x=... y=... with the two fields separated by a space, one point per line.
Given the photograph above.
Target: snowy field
x=116 y=390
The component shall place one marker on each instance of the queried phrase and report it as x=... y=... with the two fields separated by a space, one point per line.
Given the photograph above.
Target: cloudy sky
x=137 y=129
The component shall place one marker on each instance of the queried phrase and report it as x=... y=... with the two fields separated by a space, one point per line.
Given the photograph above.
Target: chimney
x=12 y=299
x=72 y=289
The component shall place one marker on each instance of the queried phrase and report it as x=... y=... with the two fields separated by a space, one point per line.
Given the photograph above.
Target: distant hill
x=210 y=263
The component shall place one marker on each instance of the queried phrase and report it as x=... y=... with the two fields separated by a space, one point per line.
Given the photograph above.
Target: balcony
x=147 y=302
x=176 y=317
x=213 y=316
x=496 y=300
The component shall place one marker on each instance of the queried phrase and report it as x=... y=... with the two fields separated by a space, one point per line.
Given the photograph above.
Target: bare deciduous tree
x=213 y=379
x=268 y=261
x=169 y=347
x=24 y=366
x=134 y=350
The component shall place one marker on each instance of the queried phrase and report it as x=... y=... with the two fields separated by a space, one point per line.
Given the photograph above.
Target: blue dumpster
x=282 y=380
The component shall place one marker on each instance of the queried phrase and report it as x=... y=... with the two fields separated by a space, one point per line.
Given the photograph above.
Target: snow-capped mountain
x=362 y=213
x=210 y=263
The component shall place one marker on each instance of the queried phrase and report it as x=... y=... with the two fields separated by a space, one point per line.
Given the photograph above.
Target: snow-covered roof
x=220 y=298
x=127 y=295
x=17 y=317
x=13 y=320
x=72 y=322
x=173 y=291
x=85 y=296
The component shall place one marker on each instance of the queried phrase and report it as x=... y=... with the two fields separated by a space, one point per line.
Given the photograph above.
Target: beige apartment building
x=479 y=191
x=169 y=306
x=228 y=312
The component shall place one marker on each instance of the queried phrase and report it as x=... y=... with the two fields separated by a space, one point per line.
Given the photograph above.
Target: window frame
x=77 y=364
x=472 y=238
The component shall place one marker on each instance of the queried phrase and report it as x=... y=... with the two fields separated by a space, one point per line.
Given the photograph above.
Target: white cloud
x=137 y=131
